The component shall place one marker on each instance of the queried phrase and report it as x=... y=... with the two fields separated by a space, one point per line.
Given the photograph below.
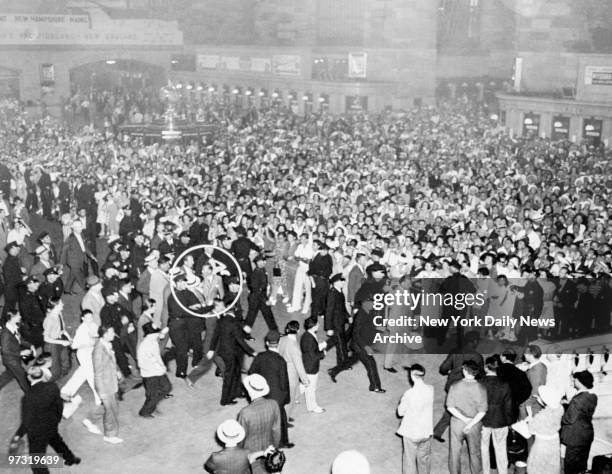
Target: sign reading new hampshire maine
x=98 y=29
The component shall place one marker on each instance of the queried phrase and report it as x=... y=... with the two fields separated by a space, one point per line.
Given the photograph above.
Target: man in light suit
x=289 y=348
x=106 y=381
x=212 y=285
x=12 y=348
x=271 y=365
x=74 y=257
x=261 y=420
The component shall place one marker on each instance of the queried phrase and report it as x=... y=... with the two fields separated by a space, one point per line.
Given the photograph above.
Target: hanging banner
x=208 y=61
x=287 y=65
x=357 y=65
x=95 y=29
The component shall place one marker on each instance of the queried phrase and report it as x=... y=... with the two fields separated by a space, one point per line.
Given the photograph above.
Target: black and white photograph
x=306 y=236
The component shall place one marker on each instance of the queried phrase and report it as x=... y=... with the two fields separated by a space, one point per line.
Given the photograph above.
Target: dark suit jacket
x=227 y=340
x=126 y=304
x=454 y=362
x=229 y=461
x=11 y=270
x=456 y=284
x=111 y=315
x=31 y=308
x=577 y=422
x=198 y=232
x=364 y=330
x=335 y=313
x=41 y=409
x=499 y=403
x=520 y=386
x=10 y=347
x=72 y=254
x=271 y=366
x=311 y=355
x=261 y=422
x=241 y=248
x=166 y=247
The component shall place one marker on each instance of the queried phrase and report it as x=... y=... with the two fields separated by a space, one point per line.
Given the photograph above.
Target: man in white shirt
x=303 y=254
x=152 y=369
x=416 y=428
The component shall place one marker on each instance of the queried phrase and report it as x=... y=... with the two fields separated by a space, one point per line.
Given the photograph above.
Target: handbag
x=275 y=461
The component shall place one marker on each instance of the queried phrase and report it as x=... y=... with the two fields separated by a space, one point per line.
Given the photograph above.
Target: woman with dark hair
x=289 y=348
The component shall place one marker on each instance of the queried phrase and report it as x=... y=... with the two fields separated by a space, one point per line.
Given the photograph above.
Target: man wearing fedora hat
x=43 y=262
x=93 y=299
x=261 y=420
x=232 y=459
x=44 y=239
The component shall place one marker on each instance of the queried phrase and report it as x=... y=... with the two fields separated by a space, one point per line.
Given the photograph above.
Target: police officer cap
x=336 y=277
x=375 y=267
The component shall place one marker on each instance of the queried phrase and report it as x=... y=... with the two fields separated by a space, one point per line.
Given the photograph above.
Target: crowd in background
x=320 y=213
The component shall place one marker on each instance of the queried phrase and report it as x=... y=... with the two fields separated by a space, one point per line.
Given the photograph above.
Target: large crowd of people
x=316 y=215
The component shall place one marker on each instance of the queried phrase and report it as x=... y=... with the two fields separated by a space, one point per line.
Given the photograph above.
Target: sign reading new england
x=97 y=29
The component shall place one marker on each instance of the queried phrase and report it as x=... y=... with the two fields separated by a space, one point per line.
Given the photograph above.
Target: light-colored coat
x=289 y=349
x=105 y=370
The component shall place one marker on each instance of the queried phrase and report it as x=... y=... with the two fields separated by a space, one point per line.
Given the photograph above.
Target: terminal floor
x=182 y=437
